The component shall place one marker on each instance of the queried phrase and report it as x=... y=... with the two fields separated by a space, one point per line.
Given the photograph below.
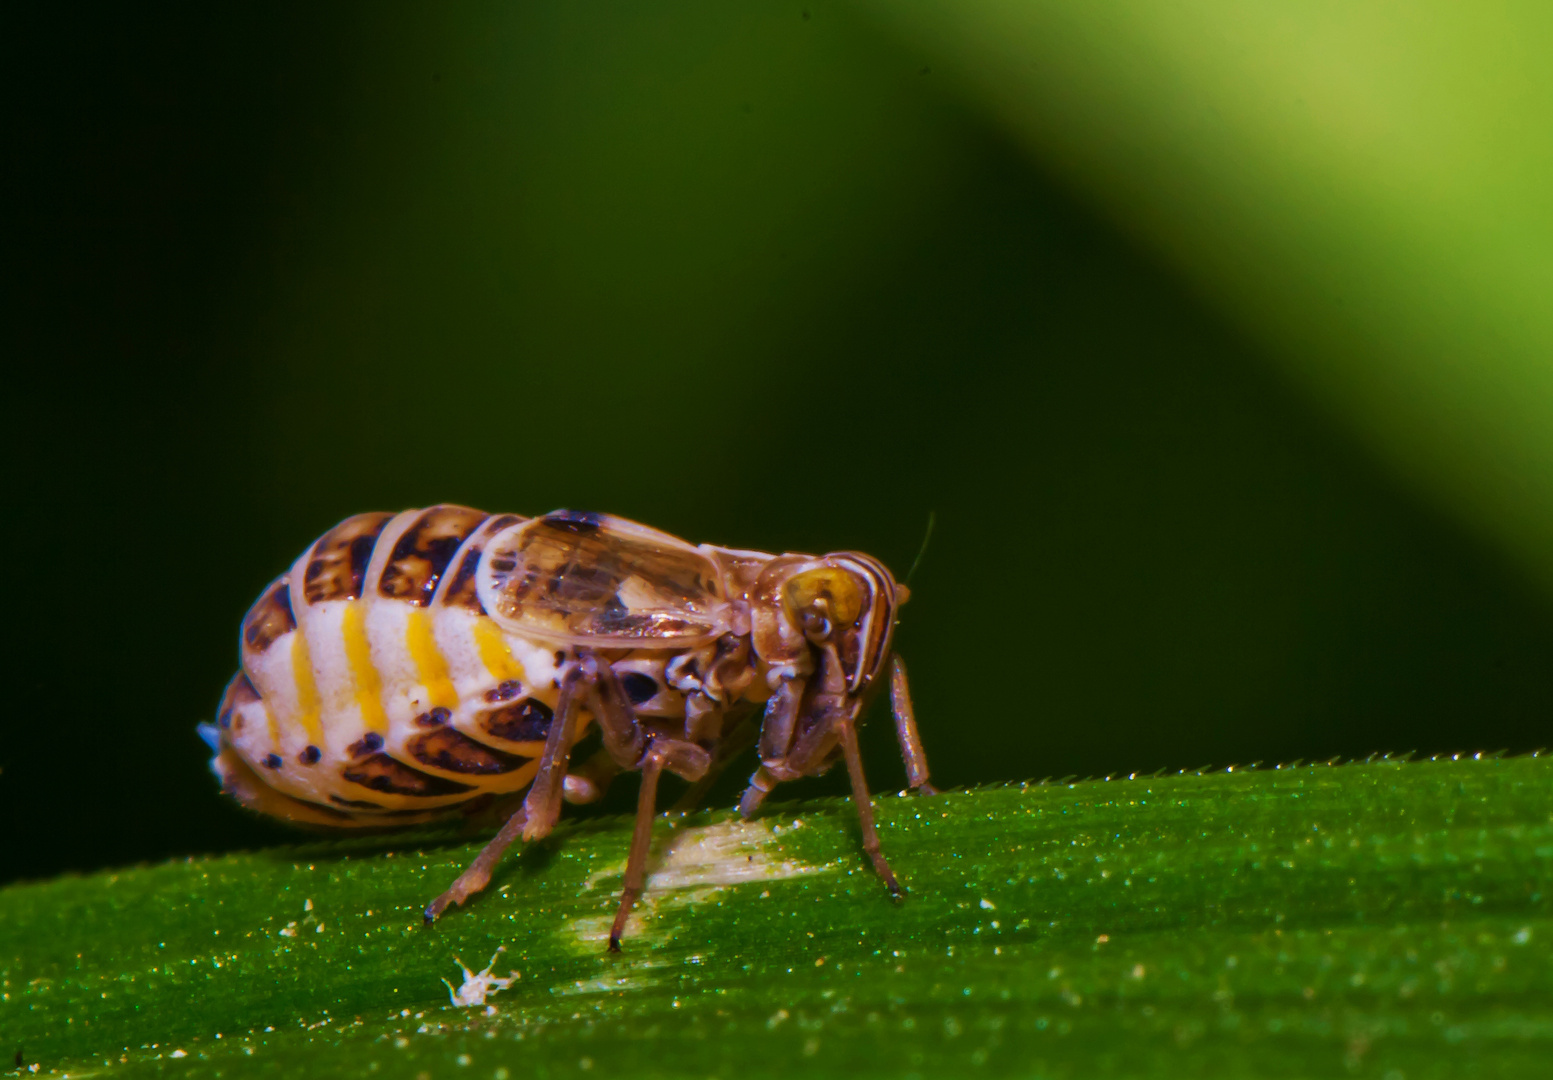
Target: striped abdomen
x=374 y=689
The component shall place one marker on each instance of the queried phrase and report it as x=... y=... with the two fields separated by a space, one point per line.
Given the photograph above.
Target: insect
x=413 y=666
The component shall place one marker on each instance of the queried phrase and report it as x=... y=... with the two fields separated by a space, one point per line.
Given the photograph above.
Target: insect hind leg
x=536 y=815
x=592 y=681
x=478 y=874
x=543 y=804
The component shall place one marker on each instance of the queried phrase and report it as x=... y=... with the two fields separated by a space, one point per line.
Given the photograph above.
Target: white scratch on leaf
x=694 y=867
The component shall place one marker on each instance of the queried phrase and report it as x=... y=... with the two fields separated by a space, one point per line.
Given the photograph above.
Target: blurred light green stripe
x=1366 y=188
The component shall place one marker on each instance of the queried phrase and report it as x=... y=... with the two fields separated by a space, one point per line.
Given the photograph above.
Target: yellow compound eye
x=841 y=590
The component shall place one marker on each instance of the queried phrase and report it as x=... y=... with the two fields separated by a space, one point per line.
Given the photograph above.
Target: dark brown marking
x=239 y=692
x=240 y=783
x=504 y=692
x=320 y=808
x=583 y=585
x=851 y=650
x=560 y=657
x=477 y=805
x=270 y=617
x=310 y=755
x=424 y=550
x=339 y=559
x=372 y=815
x=451 y=751
x=382 y=773
x=527 y=721
x=243 y=690
x=639 y=687
x=461 y=587
x=369 y=743
x=359 y=804
x=615 y=617
x=588 y=576
x=578 y=522
x=368 y=810
x=435 y=718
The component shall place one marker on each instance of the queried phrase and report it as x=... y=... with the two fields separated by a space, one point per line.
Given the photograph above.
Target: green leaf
x=1382 y=919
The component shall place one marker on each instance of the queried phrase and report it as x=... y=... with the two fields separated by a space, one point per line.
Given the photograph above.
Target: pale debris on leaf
x=477 y=985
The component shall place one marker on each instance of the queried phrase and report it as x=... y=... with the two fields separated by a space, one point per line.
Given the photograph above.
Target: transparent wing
x=592 y=579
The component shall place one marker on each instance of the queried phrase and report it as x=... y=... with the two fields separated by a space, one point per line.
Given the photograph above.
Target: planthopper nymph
x=413 y=666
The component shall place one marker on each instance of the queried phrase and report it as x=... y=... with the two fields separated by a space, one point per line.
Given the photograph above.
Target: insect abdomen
x=374 y=688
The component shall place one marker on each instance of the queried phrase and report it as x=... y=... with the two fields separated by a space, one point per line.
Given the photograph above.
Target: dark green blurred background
x=748 y=273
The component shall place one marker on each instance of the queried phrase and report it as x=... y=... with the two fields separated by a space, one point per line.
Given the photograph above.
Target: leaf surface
x=1373 y=919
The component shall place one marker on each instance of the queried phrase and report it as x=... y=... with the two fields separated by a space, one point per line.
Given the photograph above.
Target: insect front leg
x=778 y=725
x=846 y=729
x=780 y=721
x=830 y=720
x=906 y=730
x=812 y=754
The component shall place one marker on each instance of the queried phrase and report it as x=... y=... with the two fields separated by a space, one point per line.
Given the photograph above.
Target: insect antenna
x=927 y=535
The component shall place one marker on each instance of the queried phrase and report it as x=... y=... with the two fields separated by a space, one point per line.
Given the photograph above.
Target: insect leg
x=781 y=719
x=624 y=738
x=478 y=873
x=646 y=810
x=761 y=783
x=865 y=806
x=589 y=781
x=543 y=805
x=906 y=730
x=552 y=768
x=778 y=725
x=740 y=739
x=682 y=758
x=541 y=809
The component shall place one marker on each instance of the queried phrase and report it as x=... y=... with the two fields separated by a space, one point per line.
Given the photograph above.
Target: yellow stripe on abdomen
x=269 y=720
x=429 y=661
x=494 y=652
x=358 y=655
x=307 y=688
